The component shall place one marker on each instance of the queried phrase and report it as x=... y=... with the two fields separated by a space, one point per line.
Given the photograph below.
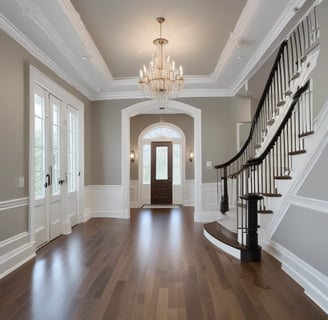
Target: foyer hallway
x=158 y=265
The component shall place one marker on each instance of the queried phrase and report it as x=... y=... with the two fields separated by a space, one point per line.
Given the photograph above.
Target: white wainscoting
x=14 y=252
x=87 y=204
x=210 y=207
x=134 y=194
x=17 y=249
x=189 y=193
x=106 y=201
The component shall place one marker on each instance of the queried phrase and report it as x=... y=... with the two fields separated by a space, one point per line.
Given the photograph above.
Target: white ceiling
x=99 y=46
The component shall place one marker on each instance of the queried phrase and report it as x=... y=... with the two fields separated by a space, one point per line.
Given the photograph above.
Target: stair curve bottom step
x=226 y=240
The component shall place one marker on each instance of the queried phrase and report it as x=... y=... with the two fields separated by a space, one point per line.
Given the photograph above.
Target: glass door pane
x=39 y=146
x=161 y=163
x=72 y=151
x=56 y=147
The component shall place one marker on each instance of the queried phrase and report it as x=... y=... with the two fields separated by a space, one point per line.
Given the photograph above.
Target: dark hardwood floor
x=158 y=265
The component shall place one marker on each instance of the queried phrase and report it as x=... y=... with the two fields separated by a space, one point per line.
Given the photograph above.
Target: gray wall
x=14 y=129
x=315 y=184
x=183 y=121
x=219 y=117
x=106 y=141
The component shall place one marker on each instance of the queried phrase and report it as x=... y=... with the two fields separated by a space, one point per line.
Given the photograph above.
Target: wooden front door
x=161 y=173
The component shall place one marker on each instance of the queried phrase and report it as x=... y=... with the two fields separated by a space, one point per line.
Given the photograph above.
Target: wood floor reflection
x=157 y=265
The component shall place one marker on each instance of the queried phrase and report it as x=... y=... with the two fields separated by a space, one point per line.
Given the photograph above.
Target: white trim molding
x=315 y=283
x=14 y=252
x=14 y=203
x=29 y=46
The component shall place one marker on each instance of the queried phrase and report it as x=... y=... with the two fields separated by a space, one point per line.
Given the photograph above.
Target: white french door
x=55 y=172
x=48 y=166
x=56 y=159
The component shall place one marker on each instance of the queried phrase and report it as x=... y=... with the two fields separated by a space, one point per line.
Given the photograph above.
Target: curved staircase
x=280 y=126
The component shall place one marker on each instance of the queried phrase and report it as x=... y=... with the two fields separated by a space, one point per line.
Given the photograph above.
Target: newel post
x=224 y=205
x=253 y=252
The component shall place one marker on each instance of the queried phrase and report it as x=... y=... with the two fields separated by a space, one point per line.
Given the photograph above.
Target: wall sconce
x=191 y=155
x=132 y=156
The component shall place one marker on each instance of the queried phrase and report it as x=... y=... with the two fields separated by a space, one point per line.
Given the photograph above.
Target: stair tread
x=282 y=177
x=296 y=152
x=305 y=134
x=222 y=234
x=264 y=211
x=271 y=194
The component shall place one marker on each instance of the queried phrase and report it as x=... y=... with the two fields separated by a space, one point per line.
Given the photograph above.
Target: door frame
x=36 y=77
x=151 y=107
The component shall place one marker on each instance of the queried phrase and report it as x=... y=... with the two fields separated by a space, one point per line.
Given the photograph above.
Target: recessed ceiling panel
x=124 y=30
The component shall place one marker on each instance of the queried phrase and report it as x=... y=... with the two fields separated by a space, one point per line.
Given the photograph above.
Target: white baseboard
x=107 y=214
x=314 y=283
x=15 y=251
x=87 y=215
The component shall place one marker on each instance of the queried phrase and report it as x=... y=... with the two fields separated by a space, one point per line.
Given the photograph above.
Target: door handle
x=47 y=183
x=61 y=181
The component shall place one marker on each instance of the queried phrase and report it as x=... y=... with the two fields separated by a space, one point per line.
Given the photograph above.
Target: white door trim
x=152 y=107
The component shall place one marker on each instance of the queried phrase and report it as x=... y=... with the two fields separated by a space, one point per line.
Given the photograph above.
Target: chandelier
x=161 y=80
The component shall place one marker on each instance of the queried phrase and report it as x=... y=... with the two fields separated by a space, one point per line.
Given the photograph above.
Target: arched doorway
x=161 y=132
x=147 y=107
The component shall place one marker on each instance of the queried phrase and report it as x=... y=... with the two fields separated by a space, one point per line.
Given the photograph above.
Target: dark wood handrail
x=259 y=108
x=258 y=160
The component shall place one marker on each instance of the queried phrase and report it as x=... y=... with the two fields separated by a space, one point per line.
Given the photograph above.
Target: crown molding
x=79 y=27
x=20 y=38
x=275 y=31
x=30 y=9
x=234 y=38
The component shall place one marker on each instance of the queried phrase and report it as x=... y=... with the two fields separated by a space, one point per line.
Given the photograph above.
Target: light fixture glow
x=161 y=80
x=191 y=155
x=132 y=156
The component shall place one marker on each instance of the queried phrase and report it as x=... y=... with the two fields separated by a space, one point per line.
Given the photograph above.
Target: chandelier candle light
x=161 y=80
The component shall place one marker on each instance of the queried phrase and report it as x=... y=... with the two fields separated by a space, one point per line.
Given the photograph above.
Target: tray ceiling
x=99 y=46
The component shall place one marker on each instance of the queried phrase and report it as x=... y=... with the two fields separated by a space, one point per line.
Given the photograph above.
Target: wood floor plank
x=157 y=265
